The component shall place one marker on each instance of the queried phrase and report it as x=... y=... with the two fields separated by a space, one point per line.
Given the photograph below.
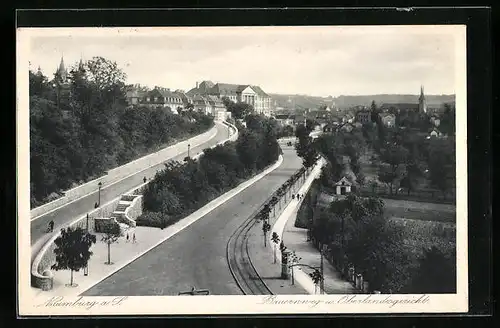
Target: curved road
x=196 y=256
x=70 y=212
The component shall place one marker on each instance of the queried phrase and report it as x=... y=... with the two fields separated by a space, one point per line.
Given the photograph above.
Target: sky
x=319 y=61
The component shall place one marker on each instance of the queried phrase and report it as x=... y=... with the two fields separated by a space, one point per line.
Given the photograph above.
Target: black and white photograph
x=296 y=169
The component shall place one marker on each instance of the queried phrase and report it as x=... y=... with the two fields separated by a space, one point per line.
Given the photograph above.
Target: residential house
x=435 y=120
x=135 y=96
x=343 y=186
x=163 y=97
x=215 y=105
x=299 y=119
x=363 y=116
x=395 y=108
x=200 y=89
x=201 y=104
x=387 y=119
x=285 y=119
x=347 y=118
x=347 y=127
x=435 y=133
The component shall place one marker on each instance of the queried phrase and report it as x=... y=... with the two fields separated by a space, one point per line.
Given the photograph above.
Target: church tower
x=61 y=74
x=422 y=106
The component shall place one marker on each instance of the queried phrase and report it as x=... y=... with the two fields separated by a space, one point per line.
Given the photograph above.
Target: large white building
x=250 y=94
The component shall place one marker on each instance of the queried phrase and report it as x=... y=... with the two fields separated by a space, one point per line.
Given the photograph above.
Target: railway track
x=238 y=259
x=243 y=271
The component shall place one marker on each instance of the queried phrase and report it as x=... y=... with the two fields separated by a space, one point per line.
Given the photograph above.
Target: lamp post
x=189 y=148
x=86 y=269
x=99 y=197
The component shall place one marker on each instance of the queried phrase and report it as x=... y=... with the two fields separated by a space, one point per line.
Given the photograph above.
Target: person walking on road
x=127 y=238
x=51 y=226
x=145 y=179
x=133 y=238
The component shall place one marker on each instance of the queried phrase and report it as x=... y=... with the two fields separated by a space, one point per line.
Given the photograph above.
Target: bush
x=182 y=188
x=154 y=219
x=436 y=273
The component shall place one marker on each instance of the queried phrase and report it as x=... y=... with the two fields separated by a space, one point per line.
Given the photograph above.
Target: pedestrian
x=51 y=226
x=95 y=205
x=127 y=238
x=144 y=179
x=133 y=238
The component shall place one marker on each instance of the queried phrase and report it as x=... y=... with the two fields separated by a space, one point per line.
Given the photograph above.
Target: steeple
x=80 y=64
x=61 y=71
x=422 y=106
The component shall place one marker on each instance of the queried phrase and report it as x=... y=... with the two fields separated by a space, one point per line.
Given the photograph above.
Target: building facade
x=252 y=95
x=162 y=97
x=363 y=116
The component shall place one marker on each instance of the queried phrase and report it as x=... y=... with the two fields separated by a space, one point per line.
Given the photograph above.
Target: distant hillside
x=432 y=100
x=299 y=101
x=305 y=101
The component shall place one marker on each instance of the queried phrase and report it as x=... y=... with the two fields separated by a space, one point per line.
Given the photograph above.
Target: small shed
x=343 y=187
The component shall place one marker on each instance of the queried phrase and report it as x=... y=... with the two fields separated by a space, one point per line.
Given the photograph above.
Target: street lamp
x=99 y=199
x=189 y=148
x=86 y=269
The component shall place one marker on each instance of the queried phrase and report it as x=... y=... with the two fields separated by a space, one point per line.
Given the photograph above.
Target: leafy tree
x=447 y=120
x=247 y=148
x=305 y=148
x=436 y=273
x=441 y=164
x=111 y=236
x=238 y=110
x=73 y=250
x=394 y=155
x=316 y=278
x=265 y=228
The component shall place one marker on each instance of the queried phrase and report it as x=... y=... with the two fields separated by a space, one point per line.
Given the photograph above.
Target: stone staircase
x=119 y=212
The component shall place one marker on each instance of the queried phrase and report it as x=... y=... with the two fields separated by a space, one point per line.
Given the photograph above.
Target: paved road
x=74 y=210
x=196 y=256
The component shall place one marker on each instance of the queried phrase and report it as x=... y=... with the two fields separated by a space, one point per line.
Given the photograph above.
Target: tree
x=447 y=121
x=248 y=148
x=305 y=148
x=265 y=228
x=73 y=250
x=394 y=155
x=316 y=278
x=436 y=273
x=441 y=162
x=238 y=110
x=275 y=239
x=111 y=236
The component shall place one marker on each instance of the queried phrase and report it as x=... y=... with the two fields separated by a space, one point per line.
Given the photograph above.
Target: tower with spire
x=422 y=105
x=61 y=75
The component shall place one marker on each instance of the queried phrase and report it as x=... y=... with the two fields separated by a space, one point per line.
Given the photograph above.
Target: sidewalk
x=295 y=239
x=122 y=253
x=270 y=272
